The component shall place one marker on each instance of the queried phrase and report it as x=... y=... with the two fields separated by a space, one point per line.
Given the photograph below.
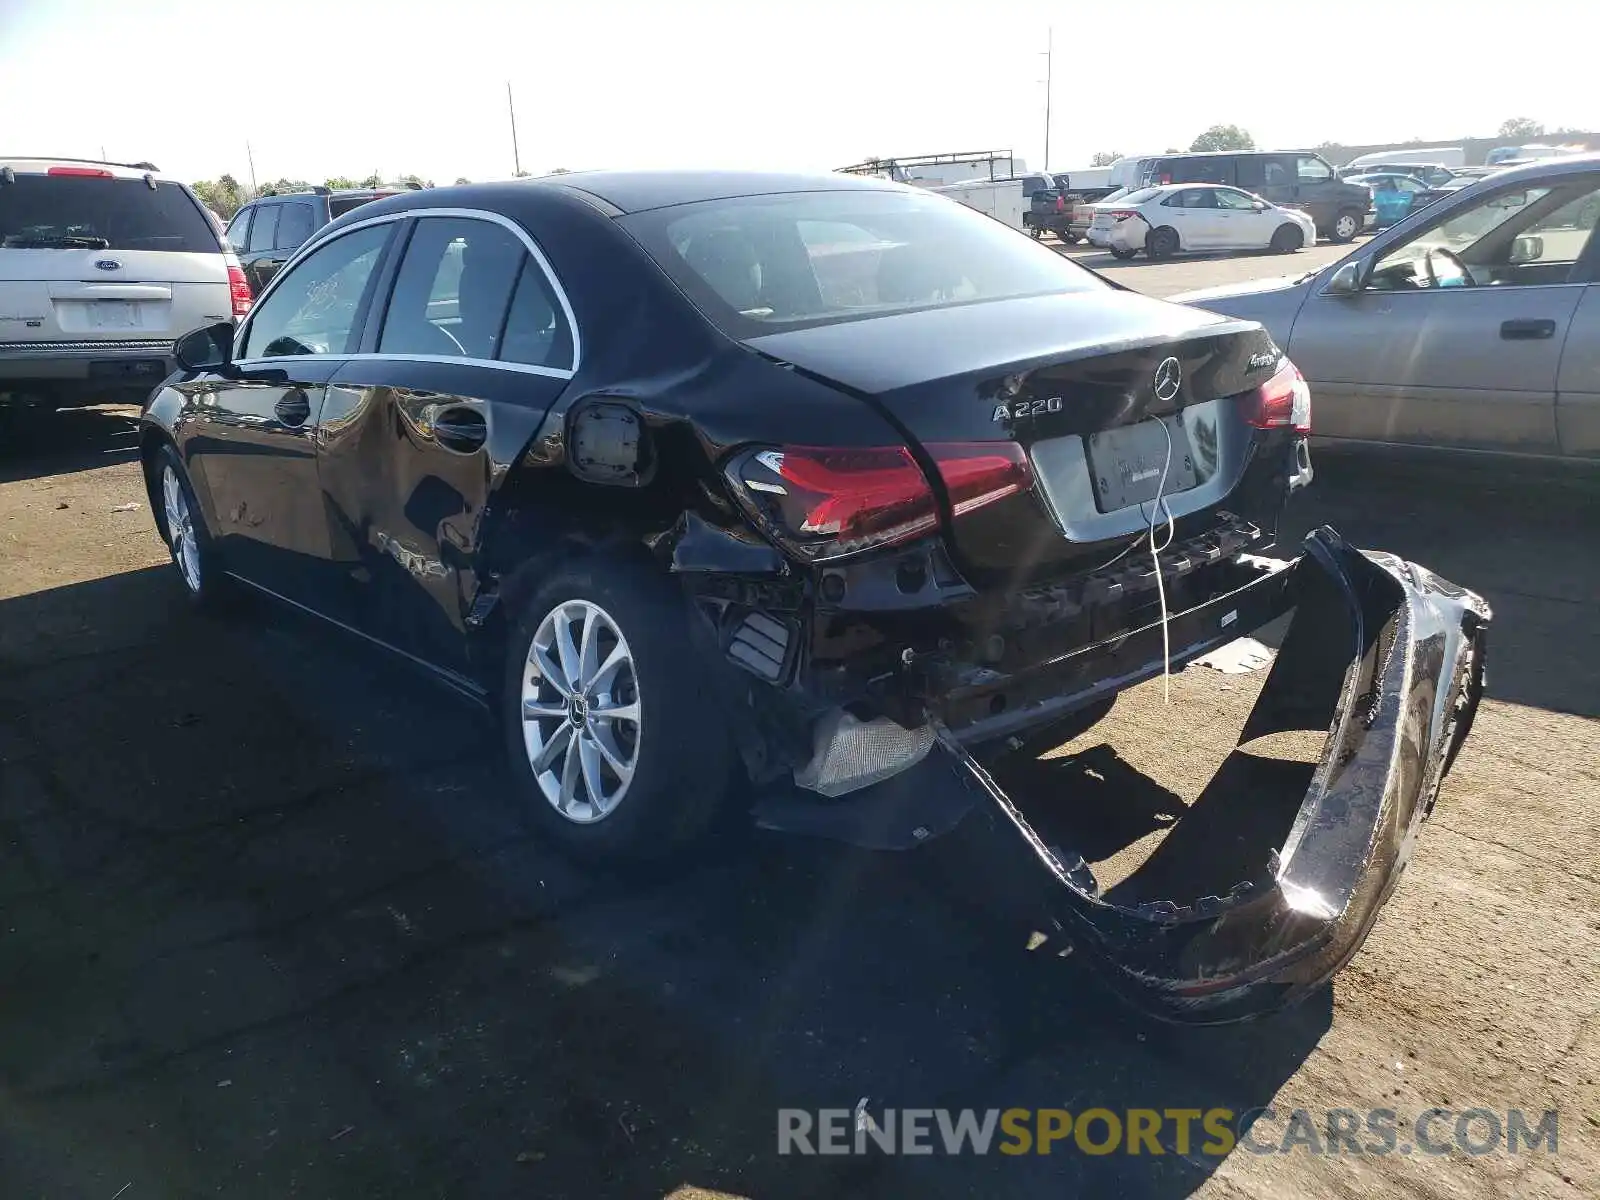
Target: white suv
x=102 y=267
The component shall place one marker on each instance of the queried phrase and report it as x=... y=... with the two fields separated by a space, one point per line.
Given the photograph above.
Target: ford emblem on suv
x=108 y=264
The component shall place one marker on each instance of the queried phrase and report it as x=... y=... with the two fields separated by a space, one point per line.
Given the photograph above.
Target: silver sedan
x=1474 y=324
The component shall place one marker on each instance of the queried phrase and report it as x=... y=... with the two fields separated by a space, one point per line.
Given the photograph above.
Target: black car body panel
x=417 y=494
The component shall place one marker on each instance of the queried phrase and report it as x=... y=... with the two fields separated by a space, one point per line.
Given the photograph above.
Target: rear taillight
x=84 y=172
x=1283 y=402
x=239 y=290
x=824 y=502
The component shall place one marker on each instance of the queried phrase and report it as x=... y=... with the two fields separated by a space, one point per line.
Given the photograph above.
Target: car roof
x=638 y=191
x=29 y=164
x=1543 y=168
x=1220 y=153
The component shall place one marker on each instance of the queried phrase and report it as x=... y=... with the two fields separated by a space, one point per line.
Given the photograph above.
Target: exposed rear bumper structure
x=1382 y=654
x=1392 y=658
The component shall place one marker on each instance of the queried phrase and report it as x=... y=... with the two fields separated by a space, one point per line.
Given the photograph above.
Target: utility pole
x=516 y=154
x=251 y=159
x=1049 y=63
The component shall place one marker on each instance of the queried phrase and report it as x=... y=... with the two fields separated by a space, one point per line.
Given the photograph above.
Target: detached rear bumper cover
x=1389 y=658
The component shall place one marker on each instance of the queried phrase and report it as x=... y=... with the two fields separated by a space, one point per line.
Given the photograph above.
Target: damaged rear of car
x=1084 y=491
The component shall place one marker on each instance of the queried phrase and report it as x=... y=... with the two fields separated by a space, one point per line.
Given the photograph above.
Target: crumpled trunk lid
x=1091 y=385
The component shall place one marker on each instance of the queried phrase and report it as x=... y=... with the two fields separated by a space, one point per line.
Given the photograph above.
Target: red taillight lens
x=981 y=472
x=87 y=172
x=239 y=289
x=824 y=502
x=1283 y=402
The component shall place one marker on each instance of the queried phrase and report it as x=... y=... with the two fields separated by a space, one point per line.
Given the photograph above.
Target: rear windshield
x=339 y=205
x=1138 y=197
x=754 y=264
x=76 y=212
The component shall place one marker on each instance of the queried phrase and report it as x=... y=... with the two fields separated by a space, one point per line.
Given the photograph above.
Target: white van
x=102 y=267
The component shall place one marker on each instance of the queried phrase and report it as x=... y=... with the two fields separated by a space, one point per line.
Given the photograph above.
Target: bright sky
x=336 y=87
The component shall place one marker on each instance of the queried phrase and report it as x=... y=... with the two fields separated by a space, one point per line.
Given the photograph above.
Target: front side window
x=314 y=306
x=1311 y=169
x=264 y=229
x=453 y=289
x=1528 y=235
x=756 y=264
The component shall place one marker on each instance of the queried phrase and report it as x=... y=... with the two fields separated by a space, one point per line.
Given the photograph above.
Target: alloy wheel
x=580 y=711
x=180 y=528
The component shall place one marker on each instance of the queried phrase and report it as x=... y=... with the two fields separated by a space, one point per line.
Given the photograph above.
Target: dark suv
x=265 y=232
x=1294 y=178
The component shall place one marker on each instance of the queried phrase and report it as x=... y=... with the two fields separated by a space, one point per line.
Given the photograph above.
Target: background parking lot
x=272 y=929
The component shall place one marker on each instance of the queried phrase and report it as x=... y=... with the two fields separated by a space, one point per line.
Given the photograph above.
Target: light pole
x=516 y=154
x=1049 y=63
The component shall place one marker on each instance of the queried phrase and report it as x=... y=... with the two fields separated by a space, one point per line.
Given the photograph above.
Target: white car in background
x=102 y=267
x=1177 y=217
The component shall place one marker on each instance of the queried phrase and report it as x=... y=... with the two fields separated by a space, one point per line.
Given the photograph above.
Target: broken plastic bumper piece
x=1385 y=656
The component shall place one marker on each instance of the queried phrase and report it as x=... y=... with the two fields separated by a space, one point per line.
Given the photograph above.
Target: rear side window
x=264 y=229
x=88 y=212
x=239 y=228
x=757 y=264
x=1278 y=173
x=294 y=226
x=453 y=289
x=537 y=332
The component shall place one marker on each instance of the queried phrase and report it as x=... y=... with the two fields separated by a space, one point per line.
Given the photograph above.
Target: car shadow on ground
x=272 y=923
x=35 y=442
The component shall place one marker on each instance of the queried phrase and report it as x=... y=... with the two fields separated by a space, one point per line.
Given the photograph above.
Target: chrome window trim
x=474 y=214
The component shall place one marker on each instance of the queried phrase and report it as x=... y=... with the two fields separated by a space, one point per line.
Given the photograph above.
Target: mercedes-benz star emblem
x=1168 y=376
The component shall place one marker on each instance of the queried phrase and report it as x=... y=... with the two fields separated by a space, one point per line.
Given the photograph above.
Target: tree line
x=226 y=195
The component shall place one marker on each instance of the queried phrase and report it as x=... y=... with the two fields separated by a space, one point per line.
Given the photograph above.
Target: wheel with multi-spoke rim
x=182 y=527
x=614 y=736
x=581 y=722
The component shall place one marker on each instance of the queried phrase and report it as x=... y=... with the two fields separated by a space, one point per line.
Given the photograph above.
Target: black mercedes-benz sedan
x=793 y=491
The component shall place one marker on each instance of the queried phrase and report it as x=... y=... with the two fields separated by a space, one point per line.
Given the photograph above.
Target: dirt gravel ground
x=272 y=929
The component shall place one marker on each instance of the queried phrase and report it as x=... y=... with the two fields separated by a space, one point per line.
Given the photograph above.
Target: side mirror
x=1528 y=248
x=1260 y=206
x=1346 y=281
x=208 y=349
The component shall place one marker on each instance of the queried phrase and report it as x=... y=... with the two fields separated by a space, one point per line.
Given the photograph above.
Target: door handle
x=293 y=408
x=461 y=429
x=1527 y=330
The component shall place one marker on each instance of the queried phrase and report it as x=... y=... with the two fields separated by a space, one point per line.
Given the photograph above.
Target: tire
x=181 y=523
x=1162 y=242
x=1286 y=239
x=1037 y=232
x=1346 y=225
x=1117 y=252
x=630 y=788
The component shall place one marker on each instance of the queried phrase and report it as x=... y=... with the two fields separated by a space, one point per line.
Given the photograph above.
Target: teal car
x=1395 y=197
